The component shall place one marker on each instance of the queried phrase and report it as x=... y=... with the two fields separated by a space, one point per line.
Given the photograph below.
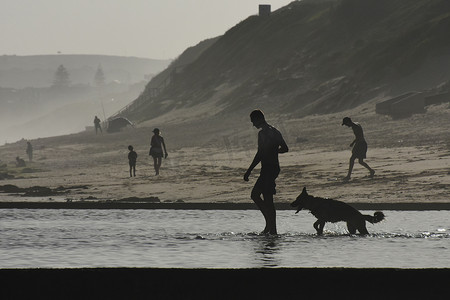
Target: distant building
x=264 y=10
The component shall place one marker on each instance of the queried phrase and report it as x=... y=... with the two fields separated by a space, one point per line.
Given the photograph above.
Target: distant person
x=132 y=158
x=156 y=149
x=20 y=162
x=270 y=144
x=359 y=148
x=97 y=125
x=29 y=151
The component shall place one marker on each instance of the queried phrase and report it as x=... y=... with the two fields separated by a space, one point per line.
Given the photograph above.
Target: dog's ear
x=304 y=190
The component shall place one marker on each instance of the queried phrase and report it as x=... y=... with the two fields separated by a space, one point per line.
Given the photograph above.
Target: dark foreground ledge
x=208 y=206
x=141 y=283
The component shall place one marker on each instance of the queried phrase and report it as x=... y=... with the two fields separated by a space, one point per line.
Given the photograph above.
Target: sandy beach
x=207 y=161
x=206 y=164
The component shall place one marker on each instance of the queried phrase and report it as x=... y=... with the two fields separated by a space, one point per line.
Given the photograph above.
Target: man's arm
x=283 y=146
x=254 y=163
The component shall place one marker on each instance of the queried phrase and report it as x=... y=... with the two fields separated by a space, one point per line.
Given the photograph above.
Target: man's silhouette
x=29 y=151
x=270 y=143
x=359 y=147
x=97 y=125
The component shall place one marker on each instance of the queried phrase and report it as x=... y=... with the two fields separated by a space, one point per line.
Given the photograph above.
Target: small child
x=20 y=162
x=132 y=157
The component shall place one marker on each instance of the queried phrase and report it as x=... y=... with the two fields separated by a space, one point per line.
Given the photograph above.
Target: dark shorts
x=156 y=152
x=266 y=180
x=360 y=150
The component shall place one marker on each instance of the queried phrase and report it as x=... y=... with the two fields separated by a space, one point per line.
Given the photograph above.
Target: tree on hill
x=61 y=77
x=99 y=78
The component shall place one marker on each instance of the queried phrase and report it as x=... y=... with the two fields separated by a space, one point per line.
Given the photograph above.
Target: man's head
x=130 y=148
x=347 y=121
x=156 y=131
x=257 y=118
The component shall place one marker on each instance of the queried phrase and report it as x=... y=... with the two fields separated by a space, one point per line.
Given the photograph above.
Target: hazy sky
x=143 y=28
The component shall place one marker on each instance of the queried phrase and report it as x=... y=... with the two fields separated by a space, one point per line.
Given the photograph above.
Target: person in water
x=359 y=150
x=270 y=144
x=157 y=149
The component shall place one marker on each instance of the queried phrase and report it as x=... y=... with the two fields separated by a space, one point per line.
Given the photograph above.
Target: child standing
x=132 y=157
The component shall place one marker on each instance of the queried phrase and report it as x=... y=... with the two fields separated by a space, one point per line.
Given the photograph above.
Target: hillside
x=311 y=57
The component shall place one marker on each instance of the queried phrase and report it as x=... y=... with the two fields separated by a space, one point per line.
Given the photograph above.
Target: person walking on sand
x=97 y=125
x=29 y=151
x=270 y=144
x=132 y=157
x=359 y=148
x=156 y=149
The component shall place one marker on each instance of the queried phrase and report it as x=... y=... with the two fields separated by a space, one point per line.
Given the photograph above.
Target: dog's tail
x=377 y=217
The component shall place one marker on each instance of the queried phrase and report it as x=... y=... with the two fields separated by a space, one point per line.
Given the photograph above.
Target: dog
x=329 y=210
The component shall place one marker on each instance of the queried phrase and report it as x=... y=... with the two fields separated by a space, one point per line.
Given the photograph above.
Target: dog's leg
x=351 y=228
x=319 y=225
x=363 y=230
x=322 y=225
x=316 y=225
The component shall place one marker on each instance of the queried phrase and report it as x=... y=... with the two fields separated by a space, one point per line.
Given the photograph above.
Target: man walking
x=270 y=144
x=359 y=148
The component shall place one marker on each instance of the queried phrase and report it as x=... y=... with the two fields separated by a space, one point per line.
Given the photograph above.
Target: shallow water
x=215 y=239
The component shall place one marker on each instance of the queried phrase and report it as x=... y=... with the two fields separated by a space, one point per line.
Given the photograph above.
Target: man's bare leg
x=350 y=168
x=364 y=164
x=271 y=214
x=260 y=203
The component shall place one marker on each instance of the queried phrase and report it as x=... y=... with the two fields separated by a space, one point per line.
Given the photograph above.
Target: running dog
x=329 y=210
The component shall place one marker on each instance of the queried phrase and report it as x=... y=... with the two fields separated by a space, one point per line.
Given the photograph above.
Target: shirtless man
x=270 y=143
x=359 y=148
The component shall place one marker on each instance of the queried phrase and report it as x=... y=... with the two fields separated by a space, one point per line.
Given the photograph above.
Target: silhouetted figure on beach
x=20 y=162
x=97 y=125
x=270 y=144
x=359 y=147
x=132 y=158
x=29 y=151
x=156 y=149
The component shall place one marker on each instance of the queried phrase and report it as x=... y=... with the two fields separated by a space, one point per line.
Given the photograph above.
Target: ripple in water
x=215 y=239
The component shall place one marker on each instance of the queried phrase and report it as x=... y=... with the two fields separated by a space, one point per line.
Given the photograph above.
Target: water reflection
x=267 y=249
